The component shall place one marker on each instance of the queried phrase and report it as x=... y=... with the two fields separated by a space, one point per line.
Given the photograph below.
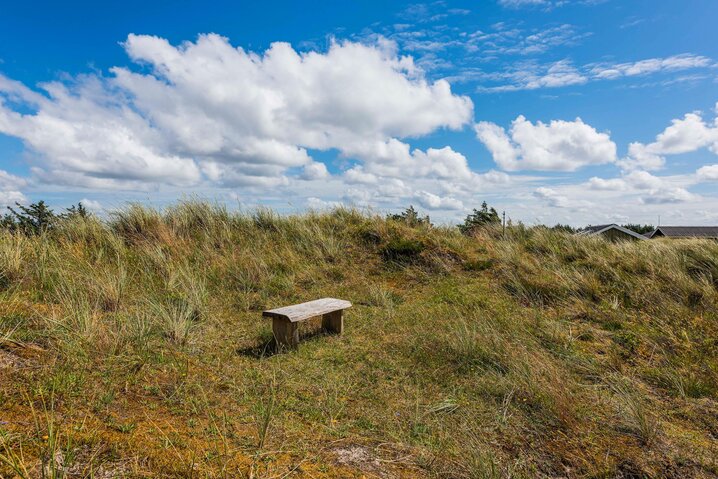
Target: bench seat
x=285 y=319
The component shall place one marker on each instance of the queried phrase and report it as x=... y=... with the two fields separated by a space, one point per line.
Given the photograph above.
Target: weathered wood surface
x=286 y=333
x=333 y=322
x=319 y=307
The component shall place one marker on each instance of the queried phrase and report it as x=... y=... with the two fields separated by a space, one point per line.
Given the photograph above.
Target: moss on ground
x=135 y=347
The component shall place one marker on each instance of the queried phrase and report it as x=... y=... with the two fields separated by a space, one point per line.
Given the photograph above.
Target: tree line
x=38 y=217
x=488 y=216
x=477 y=218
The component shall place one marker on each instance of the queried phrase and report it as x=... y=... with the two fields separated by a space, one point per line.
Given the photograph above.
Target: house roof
x=600 y=229
x=594 y=229
x=686 y=231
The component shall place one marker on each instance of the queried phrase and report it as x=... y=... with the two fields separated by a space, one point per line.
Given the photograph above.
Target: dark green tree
x=411 y=217
x=76 y=211
x=638 y=228
x=7 y=222
x=33 y=219
x=484 y=216
x=563 y=228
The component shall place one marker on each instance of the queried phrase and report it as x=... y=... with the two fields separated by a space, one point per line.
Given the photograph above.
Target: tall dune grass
x=533 y=353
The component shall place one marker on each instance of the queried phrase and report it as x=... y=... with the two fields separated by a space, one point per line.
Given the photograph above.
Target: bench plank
x=300 y=312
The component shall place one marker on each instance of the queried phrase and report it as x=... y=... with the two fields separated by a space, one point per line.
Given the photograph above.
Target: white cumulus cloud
x=92 y=205
x=10 y=197
x=8 y=181
x=643 y=180
x=552 y=197
x=320 y=204
x=358 y=175
x=435 y=202
x=10 y=186
x=395 y=159
x=668 y=195
x=559 y=145
x=206 y=111
x=684 y=135
x=708 y=173
x=602 y=184
x=315 y=171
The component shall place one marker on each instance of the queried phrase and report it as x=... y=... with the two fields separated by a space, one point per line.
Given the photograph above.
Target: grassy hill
x=135 y=347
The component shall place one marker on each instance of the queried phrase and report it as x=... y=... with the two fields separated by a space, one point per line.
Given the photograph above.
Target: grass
x=537 y=354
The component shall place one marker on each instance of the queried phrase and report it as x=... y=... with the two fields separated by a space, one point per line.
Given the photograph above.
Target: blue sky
x=579 y=111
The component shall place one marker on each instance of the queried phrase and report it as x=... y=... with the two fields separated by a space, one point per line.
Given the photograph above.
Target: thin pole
x=503 y=231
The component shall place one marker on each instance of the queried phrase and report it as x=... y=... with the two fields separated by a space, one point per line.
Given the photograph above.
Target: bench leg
x=286 y=333
x=333 y=322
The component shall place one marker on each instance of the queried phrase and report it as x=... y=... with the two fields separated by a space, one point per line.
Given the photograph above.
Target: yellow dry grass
x=134 y=347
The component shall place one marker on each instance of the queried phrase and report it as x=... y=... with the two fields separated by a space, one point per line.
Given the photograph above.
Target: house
x=708 y=232
x=612 y=232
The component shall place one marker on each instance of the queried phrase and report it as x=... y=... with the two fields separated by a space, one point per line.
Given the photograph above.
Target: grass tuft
x=530 y=354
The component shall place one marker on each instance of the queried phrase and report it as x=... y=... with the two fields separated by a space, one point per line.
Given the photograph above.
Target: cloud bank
x=206 y=112
x=206 y=116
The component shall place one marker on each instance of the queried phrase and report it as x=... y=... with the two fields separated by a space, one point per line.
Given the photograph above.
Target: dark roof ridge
x=688 y=231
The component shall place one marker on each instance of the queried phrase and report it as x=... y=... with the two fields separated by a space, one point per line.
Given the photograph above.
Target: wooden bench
x=285 y=320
